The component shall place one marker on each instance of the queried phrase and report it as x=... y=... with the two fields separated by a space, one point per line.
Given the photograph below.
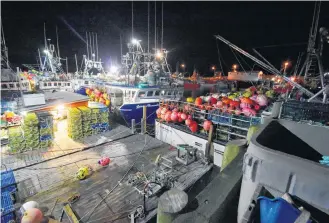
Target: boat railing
x=213 y=114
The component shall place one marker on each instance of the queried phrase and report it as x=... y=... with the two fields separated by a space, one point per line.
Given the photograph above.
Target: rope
x=119 y=182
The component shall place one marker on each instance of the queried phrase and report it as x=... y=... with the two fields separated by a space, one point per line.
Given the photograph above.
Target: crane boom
x=266 y=66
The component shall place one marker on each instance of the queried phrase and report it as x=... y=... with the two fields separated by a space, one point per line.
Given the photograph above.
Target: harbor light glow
x=24 y=113
x=46 y=51
x=113 y=69
x=134 y=41
x=182 y=65
x=60 y=107
x=159 y=55
x=213 y=67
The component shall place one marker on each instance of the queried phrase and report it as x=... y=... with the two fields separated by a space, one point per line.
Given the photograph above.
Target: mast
x=67 y=67
x=57 y=43
x=148 y=27
x=91 y=50
x=41 y=66
x=266 y=67
x=96 y=47
x=162 y=26
x=155 y=26
x=132 y=19
x=44 y=34
x=76 y=63
x=121 y=45
x=87 y=45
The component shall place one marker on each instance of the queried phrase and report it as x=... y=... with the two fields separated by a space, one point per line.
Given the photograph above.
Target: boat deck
x=124 y=198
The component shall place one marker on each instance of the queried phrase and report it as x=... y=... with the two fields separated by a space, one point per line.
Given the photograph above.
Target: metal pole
x=76 y=62
x=87 y=45
x=132 y=19
x=91 y=50
x=133 y=126
x=57 y=43
x=44 y=34
x=162 y=27
x=144 y=120
x=20 y=84
x=323 y=90
x=67 y=68
x=41 y=66
x=148 y=27
x=96 y=47
x=155 y=25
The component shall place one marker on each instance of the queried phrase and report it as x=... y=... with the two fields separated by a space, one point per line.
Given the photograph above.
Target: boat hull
x=135 y=111
x=81 y=90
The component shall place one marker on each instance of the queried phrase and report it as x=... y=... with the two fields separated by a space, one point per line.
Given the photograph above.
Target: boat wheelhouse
x=129 y=101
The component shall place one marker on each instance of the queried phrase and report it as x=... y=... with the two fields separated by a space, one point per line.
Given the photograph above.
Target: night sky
x=188 y=29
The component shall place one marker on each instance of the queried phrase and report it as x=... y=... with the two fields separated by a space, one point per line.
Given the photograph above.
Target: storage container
x=284 y=157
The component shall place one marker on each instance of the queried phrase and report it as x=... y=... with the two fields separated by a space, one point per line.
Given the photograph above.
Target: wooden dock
x=124 y=198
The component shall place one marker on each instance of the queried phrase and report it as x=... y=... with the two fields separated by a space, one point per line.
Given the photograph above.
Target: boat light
x=46 y=51
x=60 y=107
x=134 y=41
x=159 y=55
x=24 y=113
x=113 y=69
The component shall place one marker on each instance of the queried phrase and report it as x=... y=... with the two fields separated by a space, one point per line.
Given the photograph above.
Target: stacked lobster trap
x=84 y=121
x=35 y=132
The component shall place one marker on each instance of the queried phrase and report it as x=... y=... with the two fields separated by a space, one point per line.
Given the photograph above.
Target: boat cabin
x=14 y=86
x=133 y=95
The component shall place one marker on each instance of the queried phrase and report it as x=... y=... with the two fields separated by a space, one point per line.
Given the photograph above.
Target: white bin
x=284 y=156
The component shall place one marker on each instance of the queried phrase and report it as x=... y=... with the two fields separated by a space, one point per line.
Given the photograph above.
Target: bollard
x=143 y=129
x=133 y=126
x=251 y=131
x=144 y=118
x=232 y=149
x=209 y=144
x=170 y=204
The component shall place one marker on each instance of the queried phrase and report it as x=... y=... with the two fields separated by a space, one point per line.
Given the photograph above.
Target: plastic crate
x=8 y=182
x=7 y=205
x=8 y=217
x=45 y=138
x=277 y=210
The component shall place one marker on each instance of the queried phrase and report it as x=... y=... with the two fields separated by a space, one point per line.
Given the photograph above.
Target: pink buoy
x=32 y=215
x=104 y=161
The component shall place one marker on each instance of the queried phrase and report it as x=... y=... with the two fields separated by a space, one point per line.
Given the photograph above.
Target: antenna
x=44 y=34
x=91 y=50
x=76 y=62
x=67 y=67
x=96 y=47
x=155 y=25
x=162 y=27
x=148 y=27
x=132 y=19
x=121 y=44
x=57 y=43
x=87 y=45
x=93 y=39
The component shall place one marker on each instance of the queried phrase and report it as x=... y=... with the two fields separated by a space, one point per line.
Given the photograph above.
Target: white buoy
x=28 y=205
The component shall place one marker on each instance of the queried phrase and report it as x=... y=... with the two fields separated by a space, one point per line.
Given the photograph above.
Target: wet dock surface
x=54 y=179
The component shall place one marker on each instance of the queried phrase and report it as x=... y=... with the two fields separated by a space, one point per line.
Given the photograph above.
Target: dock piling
x=170 y=204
